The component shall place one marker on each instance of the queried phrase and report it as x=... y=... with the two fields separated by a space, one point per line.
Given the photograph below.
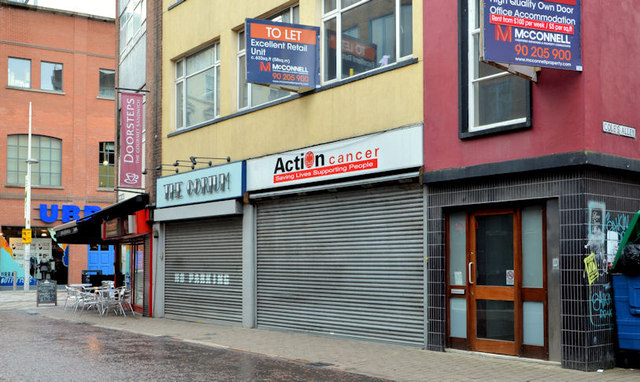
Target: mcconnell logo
x=310 y=165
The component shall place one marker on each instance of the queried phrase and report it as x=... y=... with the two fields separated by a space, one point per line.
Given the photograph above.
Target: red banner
x=131 y=140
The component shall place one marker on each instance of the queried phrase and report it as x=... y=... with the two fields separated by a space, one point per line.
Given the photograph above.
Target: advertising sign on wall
x=280 y=54
x=542 y=33
x=387 y=151
x=131 y=159
x=209 y=184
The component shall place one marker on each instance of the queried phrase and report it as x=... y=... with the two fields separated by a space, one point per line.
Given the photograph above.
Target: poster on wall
x=282 y=55
x=536 y=33
x=131 y=112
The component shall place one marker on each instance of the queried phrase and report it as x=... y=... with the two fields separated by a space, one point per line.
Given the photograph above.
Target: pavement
x=395 y=362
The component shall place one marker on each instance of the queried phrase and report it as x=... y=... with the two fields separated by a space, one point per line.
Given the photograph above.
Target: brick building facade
x=63 y=63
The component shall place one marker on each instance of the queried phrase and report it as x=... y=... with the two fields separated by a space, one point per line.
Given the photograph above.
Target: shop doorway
x=133 y=269
x=497 y=283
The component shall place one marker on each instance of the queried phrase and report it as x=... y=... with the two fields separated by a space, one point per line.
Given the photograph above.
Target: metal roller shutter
x=203 y=271
x=346 y=263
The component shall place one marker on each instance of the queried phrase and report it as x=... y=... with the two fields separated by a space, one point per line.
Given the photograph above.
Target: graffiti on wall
x=605 y=231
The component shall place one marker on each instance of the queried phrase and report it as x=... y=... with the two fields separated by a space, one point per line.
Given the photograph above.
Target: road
x=40 y=348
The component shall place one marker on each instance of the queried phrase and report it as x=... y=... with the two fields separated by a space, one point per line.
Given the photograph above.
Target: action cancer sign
x=280 y=54
x=543 y=33
x=131 y=140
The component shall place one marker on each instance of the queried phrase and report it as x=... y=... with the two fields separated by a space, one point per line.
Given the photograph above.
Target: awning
x=88 y=230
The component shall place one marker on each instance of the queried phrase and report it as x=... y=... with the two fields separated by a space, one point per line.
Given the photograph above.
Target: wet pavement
x=36 y=348
x=130 y=359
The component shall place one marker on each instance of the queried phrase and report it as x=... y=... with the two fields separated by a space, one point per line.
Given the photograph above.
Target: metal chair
x=90 y=301
x=125 y=301
x=73 y=297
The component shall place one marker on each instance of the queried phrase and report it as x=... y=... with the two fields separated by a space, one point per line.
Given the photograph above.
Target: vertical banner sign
x=131 y=140
x=281 y=54
x=544 y=33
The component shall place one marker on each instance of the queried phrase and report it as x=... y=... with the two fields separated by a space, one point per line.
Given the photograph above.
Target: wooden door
x=494 y=282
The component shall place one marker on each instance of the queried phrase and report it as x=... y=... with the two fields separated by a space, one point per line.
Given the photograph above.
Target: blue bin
x=626 y=297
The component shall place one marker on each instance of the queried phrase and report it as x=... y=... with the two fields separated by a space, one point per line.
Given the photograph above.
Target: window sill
x=35 y=90
x=34 y=186
x=331 y=85
x=105 y=189
x=496 y=130
x=178 y=2
x=106 y=98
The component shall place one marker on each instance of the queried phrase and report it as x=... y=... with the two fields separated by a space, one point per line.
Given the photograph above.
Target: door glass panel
x=532 y=267
x=494 y=249
x=533 y=323
x=458 y=317
x=138 y=282
x=495 y=320
x=125 y=255
x=458 y=249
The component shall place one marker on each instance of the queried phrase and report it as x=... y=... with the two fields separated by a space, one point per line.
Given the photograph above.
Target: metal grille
x=203 y=272
x=346 y=263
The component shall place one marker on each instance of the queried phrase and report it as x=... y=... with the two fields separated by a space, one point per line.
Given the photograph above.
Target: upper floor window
x=492 y=99
x=370 y=34
x=19 y=72
x=250 y=95
x=132 y=14
x=48 y=152
x=51 y=76
x=198 y=87
x=107 y=165
x=107 y=84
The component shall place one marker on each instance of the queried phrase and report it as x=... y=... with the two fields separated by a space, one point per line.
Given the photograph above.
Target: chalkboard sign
x=47 y=292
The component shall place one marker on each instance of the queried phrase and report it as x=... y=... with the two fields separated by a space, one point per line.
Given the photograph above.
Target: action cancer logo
x=309 y=158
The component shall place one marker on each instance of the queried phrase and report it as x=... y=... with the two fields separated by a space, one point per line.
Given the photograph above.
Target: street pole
x=27 y=209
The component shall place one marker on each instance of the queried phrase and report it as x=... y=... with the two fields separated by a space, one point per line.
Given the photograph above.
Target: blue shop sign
x=544 y=33
x=282 y=54
x=209 y=184
x=66 y=213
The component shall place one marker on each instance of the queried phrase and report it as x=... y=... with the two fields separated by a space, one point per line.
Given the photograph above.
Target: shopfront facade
x=199 y=220
x=343 y=256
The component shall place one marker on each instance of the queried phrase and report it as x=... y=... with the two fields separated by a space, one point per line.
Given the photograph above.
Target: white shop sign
x=385 y=151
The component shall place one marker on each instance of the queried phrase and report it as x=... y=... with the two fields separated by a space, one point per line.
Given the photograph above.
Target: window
x=373 y=34
x=107 y=84
x=107 y=165
x=48 y=152
x=198 y=87
x=250 y=95
x=493 y=100
x=132 y=13
x=19 y=73
x=51 y=76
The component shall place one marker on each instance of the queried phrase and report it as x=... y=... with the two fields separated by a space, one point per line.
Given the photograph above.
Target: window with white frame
x=19 y=72
x=48 y=152
x=370 y=33
x=51 y=76
x=493 y=100
x=250 y=95
x=198 y=87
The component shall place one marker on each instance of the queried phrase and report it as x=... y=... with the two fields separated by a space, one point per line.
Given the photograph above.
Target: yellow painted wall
x=380 y=102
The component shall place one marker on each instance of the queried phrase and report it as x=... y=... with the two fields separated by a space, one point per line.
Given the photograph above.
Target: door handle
x=469 y=272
